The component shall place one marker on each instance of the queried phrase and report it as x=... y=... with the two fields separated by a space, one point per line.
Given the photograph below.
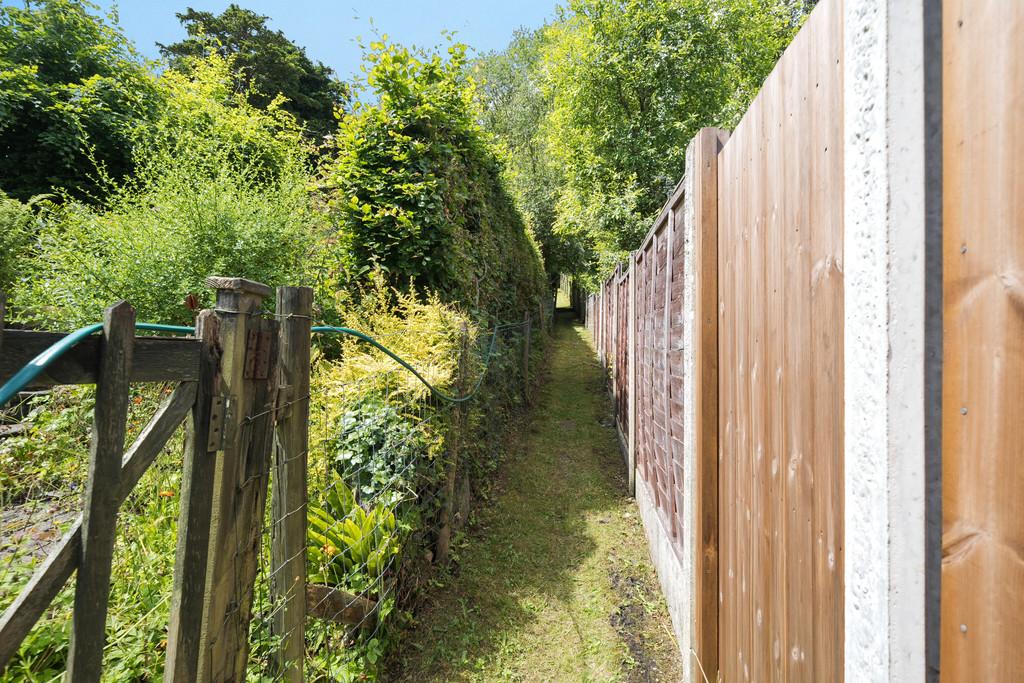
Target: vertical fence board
x=92 y=586
x=827 y=318
x=291 y=452
x=780 y=340
x=192 y=554
x=982 y=580
x=708 y=144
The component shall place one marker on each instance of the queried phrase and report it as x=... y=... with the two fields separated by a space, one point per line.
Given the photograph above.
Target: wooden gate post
x=92 y=586
x=245 y=405
x=192 y=556
x=288 y=504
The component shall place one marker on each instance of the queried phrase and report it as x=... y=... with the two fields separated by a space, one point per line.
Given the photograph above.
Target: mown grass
x=554 y=581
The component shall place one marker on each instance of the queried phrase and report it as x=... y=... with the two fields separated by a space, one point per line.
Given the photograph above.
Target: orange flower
x=137 y=400
x=167 y=494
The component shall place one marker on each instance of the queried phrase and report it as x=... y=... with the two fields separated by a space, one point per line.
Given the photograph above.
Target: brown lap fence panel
x=982 y=584
x=780 y=361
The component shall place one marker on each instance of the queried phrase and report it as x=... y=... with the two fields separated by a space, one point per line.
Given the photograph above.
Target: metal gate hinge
x=220 y=410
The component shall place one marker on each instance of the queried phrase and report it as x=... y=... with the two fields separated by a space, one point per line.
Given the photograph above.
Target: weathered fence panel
x=780 y=353
x=113 y=473
x=982 y=583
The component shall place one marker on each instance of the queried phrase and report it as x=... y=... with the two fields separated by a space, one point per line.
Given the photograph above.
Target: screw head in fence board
x=99 y=517
x=288 y=506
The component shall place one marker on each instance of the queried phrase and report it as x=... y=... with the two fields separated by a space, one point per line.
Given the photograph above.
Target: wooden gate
x=780 y=188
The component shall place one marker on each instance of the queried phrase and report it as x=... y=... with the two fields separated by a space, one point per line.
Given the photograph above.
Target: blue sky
x=328 y=28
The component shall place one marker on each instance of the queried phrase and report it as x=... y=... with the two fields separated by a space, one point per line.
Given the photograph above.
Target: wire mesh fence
x=383 y=503
x=390 y=471
x=44 y=468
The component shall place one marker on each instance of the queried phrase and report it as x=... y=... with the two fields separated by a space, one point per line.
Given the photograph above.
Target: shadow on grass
x=522 y=562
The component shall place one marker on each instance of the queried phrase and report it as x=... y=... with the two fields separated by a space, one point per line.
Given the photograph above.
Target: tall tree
x=266 y=62
x=514 y=109
x=621 y=87
x=72 y=89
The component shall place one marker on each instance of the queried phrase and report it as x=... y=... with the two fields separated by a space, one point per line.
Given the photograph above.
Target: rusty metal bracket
x=257 y=354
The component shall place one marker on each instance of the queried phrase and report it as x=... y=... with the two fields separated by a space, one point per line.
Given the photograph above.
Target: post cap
x=238 y=284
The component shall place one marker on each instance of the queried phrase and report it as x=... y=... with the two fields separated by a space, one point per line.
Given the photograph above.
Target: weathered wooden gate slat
x=50 y=577
x=192 y=554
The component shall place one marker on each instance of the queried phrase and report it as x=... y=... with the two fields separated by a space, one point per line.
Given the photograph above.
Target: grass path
x=554 y=580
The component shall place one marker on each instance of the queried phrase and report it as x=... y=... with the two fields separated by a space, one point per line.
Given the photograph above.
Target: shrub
x=416 y=193
x=72 y=91
x=221 y=189
x=16 y=228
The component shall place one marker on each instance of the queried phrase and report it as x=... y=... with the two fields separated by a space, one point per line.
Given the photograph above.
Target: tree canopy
x=72 y=90
x=596 y=110
x=266 y=62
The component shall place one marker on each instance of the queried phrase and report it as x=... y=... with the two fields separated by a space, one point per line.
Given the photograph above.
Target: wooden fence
x=762 y=229
x=226 y=380
x=243 y=393
x=982 y=566
x=729 y=335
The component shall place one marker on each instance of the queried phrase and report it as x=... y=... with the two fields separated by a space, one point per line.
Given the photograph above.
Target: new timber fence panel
x=780 y=364
x=982 y=582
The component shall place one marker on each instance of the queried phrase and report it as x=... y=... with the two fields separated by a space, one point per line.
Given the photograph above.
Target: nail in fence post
x=288 y=504
x=99 y=517
x=248 y=368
